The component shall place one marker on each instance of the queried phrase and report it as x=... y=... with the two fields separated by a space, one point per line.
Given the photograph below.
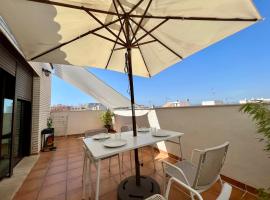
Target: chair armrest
x=176 y=168
x=225 y=192
x=190 y=189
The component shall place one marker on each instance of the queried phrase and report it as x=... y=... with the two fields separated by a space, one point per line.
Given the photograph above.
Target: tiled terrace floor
x=58 y=175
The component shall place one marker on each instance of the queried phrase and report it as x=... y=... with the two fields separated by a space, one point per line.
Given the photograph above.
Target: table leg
x=89 y=170
x=98 y=179
x=84 y=176
x=180 y=148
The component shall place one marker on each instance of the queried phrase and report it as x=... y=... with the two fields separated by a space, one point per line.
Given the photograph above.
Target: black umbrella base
x=128 y=189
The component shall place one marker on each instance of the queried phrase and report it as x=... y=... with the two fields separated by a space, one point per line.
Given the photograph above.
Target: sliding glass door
x=7 y=87
x=21 y=144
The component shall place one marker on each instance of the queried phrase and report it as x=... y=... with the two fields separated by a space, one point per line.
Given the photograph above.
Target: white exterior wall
x=76 y=122
x=40 y=106
x=207 y=126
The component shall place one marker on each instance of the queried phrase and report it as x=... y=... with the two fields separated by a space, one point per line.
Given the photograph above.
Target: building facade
x=24 y=106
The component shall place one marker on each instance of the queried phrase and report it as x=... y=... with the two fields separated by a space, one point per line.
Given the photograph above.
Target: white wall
x=213 y=125
x=41 y=102
x=207 y=126
x=76 y=122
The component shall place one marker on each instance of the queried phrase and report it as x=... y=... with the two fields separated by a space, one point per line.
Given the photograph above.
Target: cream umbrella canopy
x=140 y=37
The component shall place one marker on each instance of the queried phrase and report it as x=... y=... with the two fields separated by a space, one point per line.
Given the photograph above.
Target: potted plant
x=260 y=114
x=106 y=118
x=49 y=123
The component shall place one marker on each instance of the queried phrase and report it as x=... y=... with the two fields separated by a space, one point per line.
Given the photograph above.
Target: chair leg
x=119 y=164
x=192 y=196
x=153 y=157
x=130 y=158
x=83 y=174
x=122 y=163
x=164 y=180
x=110 y=164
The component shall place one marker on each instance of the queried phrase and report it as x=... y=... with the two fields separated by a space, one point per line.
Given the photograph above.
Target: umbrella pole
x=130 y=77
x=135 y=187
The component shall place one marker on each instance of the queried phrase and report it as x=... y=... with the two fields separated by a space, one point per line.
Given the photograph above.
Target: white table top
x=99 y=151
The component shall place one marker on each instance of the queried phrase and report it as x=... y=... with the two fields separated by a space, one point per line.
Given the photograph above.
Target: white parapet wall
x=76 y=122
x=207 y=126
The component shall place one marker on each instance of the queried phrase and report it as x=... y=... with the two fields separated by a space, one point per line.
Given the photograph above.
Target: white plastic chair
x=88 y=159
x=166 y=197
x=90 y=133
x=204 y=174
x=224 y=194
x=129 y=128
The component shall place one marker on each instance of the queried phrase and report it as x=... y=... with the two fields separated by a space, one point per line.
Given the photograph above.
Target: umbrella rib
x=135 y=6
x=121 y=6
x=73 y=6
x=102 y=24
x=122 y=25
x=141 y=20
x=150 y=31
x=74 y=39
x=141 y=53
x=143 y=43
x=179 y=56
x=121 y=28
x=106 y=38
x=194 y=18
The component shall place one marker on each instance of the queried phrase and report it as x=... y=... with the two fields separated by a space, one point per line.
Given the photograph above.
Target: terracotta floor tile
x=58 y=162
x=41 y=166
x=74 y=165
x=74 y=183
x=58 y=177
x=249 y=196
x=74 y=173
x=57 y=169
x=58 y=197
x=110 y=195
x=75 y=194
x=31 y=185
x=37 y=174
x=27 y=196
x=52 y=190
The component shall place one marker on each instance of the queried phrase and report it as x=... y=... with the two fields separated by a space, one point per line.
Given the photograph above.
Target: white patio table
x=99 y=151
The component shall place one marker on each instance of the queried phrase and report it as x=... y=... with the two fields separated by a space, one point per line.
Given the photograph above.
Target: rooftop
x=58 y=175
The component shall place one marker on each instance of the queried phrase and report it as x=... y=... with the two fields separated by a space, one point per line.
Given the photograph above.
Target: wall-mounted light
x=46 y=72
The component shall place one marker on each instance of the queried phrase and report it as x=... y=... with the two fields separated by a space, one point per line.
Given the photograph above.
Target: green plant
x=106 y=118
x=263 y=194
x=260 y=113
x=49 y=122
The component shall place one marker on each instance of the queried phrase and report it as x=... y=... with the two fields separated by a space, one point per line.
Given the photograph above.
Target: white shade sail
x=90 y=32
x=90 y=84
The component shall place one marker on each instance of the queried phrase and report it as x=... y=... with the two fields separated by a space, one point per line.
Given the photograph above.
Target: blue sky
x=235 y=68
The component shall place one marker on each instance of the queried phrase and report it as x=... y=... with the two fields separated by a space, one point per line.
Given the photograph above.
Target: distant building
x=88 y=106
x=60 y=108
x=96 y=106
x=212 y=103
x=176 y=104
x=253 y=100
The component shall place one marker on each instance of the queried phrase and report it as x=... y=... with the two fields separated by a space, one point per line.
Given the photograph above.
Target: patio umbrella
x=138 y=37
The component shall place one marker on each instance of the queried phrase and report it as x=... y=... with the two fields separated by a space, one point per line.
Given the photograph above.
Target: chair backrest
x=190 y=189
x=225 y=192
x=209 y=166
x=92 y=132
